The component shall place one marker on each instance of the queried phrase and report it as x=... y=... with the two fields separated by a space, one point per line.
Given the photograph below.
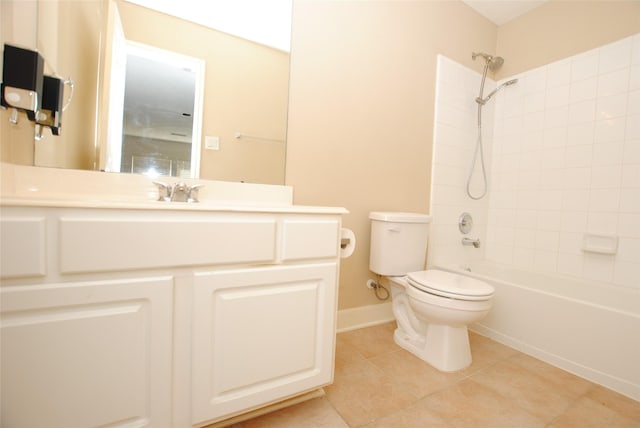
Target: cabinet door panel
x=87 y=354
x=262 y=335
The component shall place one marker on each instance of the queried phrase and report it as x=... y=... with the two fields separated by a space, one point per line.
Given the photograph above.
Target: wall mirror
x=245 y=97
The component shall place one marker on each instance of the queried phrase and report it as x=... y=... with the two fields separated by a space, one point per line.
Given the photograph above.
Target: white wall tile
x=615 y=55
x=635 y=49
x=577 y=178
x=584 y=66
x=608 y=153
x=583 y=111
x=549 y=220
x=534 y=80
x=523 y=258
x=578 y=156
x=598 y=267
x=626 y=274
x=545 y=261
x=525 y=238
x=570 y=242
x=631 y=176
x=629 y=250
x=630 y=201
x=557 y=96
x=633 y=106
x=610 y=130
x=604 y=200
x=533 y=102
x=547 y=240
x=570 y=264
x=613 y=83
x=559 y=73
x=553 y=157
x=606 y=177
x=582 y=90
x=602 y=223
x=628 y=225
x=581 y=133
x=554 y=137
x=612 y=106
x=556 y=117
x=634 y=78
x=631 y=152
x=632 y=128
x=575 y=200
x=574 y=221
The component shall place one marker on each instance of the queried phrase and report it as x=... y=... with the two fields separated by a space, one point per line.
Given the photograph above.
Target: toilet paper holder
x=347 y=242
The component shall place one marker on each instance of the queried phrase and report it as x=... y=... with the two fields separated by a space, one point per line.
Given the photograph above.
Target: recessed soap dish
x=602 y=244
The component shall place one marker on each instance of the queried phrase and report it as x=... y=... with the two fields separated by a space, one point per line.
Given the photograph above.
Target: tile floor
x=378 y=384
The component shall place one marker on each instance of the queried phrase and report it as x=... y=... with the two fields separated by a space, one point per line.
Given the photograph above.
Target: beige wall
x=362 y=105
x=245 y=91
x=560 y=28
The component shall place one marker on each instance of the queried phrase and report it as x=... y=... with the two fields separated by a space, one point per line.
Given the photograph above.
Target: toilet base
x=444 y=347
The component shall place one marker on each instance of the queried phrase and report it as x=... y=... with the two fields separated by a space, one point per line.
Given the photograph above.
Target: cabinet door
x=260 y=335
x=87 y=354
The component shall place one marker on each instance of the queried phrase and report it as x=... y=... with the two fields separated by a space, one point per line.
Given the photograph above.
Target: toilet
x=432 y=307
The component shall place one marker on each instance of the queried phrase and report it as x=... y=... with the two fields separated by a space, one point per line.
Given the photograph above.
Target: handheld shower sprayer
x=491 y=63
x=483 y=101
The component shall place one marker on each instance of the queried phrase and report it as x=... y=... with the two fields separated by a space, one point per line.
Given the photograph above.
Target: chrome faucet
x=178 y=192
x=469 y=241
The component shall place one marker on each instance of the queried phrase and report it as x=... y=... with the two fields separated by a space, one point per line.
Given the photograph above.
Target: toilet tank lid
x=400 y=217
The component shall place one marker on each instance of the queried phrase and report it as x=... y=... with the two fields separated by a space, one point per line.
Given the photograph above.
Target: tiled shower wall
x=565 y=163
x=455 y=134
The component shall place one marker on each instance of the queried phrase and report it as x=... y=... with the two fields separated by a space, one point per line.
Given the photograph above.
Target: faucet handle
x=192 y=192
x=164 y=191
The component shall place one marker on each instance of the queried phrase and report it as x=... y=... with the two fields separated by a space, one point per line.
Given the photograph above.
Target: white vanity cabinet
x=163 y=317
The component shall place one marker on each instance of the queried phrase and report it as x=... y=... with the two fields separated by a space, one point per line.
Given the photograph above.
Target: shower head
x=493 y=62
x=483 y=101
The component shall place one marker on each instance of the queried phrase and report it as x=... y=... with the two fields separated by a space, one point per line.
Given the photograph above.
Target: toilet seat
x=451 y=285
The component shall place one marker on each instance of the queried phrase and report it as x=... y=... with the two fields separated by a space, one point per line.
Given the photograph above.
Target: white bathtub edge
x=364 y=316
x=619 y=385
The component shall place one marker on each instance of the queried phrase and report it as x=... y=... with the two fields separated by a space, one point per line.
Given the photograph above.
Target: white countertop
x=26 y=186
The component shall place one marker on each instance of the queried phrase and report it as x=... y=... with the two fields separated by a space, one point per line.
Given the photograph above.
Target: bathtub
x=587 y=328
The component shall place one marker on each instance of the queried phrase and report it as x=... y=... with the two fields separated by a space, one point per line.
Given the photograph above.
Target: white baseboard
x=364 y=316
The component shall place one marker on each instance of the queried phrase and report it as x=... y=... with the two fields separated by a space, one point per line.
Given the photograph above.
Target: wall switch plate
x=211 y=143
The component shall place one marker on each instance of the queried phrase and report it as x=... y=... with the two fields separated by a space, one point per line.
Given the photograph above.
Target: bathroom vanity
x=163 y=314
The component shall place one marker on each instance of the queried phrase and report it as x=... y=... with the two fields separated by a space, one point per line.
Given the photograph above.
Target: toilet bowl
x=434 y=327
x=432 y=308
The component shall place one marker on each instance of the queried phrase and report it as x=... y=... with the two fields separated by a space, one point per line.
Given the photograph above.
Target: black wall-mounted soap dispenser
x=22 y=80
x=50 y=115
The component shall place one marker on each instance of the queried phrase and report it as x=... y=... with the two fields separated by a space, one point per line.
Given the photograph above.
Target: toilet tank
x=398 y=242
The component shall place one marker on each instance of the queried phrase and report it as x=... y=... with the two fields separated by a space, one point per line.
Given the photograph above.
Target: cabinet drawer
x=94 y=245
x=308 y=239
x=23 y=247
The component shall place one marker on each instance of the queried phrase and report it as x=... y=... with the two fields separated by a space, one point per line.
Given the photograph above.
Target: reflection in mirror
x=161 y=117
x=246 y=92
x=246 y=84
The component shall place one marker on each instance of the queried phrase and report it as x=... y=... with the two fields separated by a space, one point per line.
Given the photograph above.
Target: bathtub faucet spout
x=469 y=241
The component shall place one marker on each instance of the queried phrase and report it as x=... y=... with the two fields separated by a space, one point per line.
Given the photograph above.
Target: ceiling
x=502 y=11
